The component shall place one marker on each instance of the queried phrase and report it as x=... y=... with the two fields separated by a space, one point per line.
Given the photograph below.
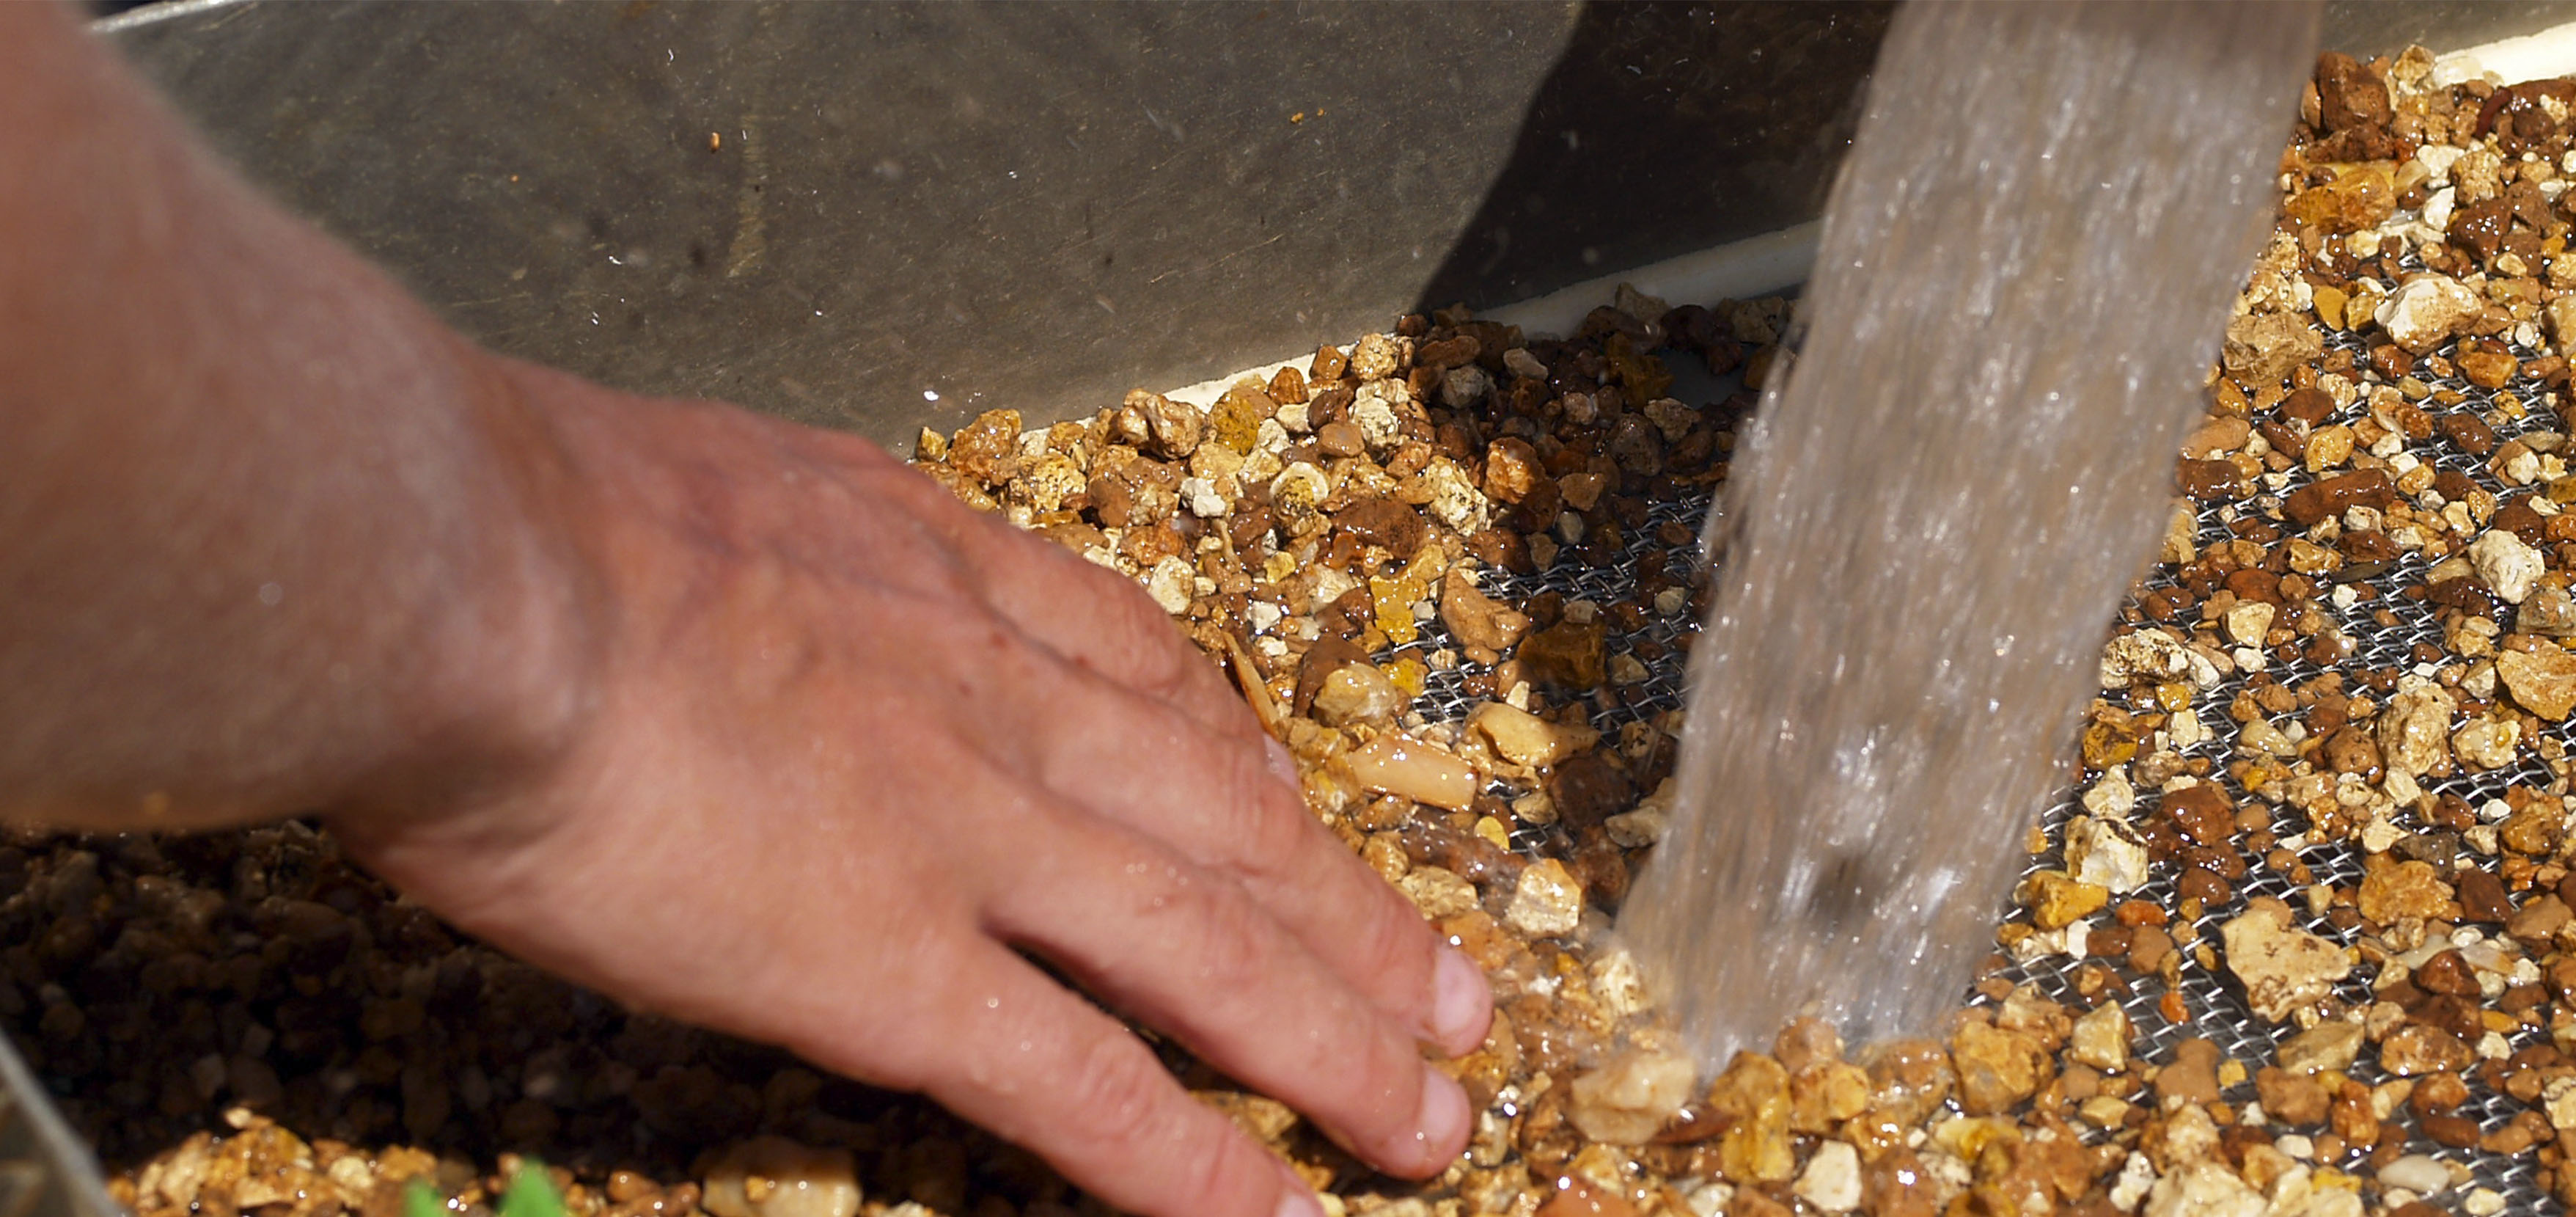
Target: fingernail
x=1442 y=1118
x=1462 y=1003
x=1280 y=762
x=1300 y=1200
x=1300 y=1203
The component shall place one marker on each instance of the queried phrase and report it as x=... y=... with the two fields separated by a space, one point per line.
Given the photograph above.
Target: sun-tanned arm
x=732 y=719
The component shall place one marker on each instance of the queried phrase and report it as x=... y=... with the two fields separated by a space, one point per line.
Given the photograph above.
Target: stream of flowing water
x=2026 y=268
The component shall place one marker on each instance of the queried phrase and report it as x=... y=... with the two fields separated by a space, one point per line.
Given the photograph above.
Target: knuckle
x=1384 y=1092
x=1156 y=666
x=1124 y=606
x=1366 y=1085
x=1392 y=943
x=1278 y=834
x=1234 y=942
x=1121 y=1094
x=1213 y=1172
x=1156 y=659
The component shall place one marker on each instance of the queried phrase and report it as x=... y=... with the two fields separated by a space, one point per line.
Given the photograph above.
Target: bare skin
x=732 y=719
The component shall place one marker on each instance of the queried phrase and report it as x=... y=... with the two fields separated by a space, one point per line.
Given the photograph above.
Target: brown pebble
x=1511 y=469
x=2455 y=1016
x=2139 y=912
x=1587 y=787
x=2436 y=1093
x=2447 y=972
x=1997 y=1067
x=2290 y=1097
x=2416 y=1049
x=2350 y=1115
x=1385 y=523
x=2539 y=921
x=2206 y=480
x=2316 y=501
x=2205 y=887
x=2519 y=519
x=1328 y=365
x=1340 y=438
x=2457 y=1132
x=2255 y=583
x=1568 y=654
x=2307 y=407
x=2487 y=366
x=2482 y=896
x=1287 y=386
x=2513 y=1138
x=2193 y=1075
x=1500 y=547
x=626 y=1187
x=2391 y=361
x=1898 y=1184
x=2203 y=812
x=2351 y=750
x=1576 y=1198
x=2148 y=948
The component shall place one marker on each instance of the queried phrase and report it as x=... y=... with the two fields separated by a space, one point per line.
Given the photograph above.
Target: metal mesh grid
x=1445 y=698
x=2216 y=1005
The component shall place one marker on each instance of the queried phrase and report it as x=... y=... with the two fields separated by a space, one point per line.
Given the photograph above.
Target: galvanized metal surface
x=45 y=1171
x=885 y=216
x=1036 y=205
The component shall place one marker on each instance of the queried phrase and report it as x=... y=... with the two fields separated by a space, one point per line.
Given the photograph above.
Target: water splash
x=2026 y=267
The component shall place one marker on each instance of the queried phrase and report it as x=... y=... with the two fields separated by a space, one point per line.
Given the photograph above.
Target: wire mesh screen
x=2386 y=630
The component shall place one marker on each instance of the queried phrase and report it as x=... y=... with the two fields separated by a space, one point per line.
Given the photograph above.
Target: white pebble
x=2137 y=1175
x=2417 y=1173
x=776 y=1177
x=1832 y=1178
x=1546 y=902
x=1170 y=583
x=2506 y=564
x=1205 y=502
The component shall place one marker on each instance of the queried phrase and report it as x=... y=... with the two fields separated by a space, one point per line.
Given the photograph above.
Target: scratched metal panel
x=828 y=211
x=1033 y=205
x=2378 y=27
x=1036 y=205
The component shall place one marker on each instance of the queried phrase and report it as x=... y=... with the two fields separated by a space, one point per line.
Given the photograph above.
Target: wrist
x=512 y=669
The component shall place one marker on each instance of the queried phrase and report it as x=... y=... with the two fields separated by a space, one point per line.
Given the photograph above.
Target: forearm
x=275 y=539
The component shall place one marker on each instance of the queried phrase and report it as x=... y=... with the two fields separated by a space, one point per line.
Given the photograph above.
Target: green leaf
x=420 y=1201
x=531 y=1193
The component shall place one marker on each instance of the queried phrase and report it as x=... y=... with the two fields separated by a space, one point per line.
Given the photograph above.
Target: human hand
x=847 y=746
